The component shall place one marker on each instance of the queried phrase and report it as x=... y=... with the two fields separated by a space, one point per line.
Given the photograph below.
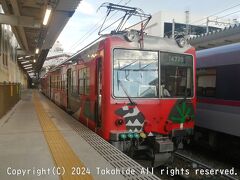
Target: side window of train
x=53 y=81
x=87 y=81
x=228 y=78
x=81 y=81
x=206 y=82
x=63 y=81
x=58 y=82
x=74 y=82
x=84 y=81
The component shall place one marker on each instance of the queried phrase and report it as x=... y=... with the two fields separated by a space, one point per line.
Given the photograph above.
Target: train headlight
x=132 y=35
x=181 y=42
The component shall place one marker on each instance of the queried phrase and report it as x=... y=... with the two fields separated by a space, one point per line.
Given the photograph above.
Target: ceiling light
x=34 y=61
x=28 y=68
x=24 y=62
x=27 y=56
x=47 y=15
x=37 y=51
x=27 y=65
x=20 y=58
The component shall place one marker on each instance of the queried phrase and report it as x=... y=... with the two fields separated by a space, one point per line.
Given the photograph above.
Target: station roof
x=216 y=38
x=26 y=19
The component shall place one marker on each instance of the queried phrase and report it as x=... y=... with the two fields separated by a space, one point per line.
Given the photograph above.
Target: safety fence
x=9 y=96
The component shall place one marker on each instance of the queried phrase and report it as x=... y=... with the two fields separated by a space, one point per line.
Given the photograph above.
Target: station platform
x=38 y=140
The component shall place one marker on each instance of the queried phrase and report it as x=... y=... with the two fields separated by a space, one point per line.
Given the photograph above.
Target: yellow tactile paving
x=62 y=153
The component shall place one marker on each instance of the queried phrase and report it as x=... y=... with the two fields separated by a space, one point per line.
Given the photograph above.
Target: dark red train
x=137 y=92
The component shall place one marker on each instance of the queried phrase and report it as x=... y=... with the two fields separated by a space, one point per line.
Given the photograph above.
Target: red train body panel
x=118 y=87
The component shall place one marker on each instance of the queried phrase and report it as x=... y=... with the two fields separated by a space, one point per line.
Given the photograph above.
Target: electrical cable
x=93 y=29
x=199 y=20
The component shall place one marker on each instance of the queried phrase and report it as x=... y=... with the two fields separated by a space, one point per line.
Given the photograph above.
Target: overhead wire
x=94 y=29
x=219 y=12
x=223 y=17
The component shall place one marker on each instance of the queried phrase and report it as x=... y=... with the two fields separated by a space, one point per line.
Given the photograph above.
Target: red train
x=137 y=92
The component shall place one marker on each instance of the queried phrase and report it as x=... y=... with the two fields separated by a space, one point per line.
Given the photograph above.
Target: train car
x=136 y=91
x=218 y=91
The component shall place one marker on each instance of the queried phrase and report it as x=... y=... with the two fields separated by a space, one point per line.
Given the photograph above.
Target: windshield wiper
x=127 y=65
x=125 y=91
x=147 y=65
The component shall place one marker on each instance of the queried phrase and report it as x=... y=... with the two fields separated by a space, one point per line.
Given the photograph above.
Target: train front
x=153 y=100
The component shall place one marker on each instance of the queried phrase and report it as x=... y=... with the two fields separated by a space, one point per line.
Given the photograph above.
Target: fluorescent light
x=30 y=71
x=24 y=62
x=27 y=65
x=28 y=68
x=20 y=58
x=37 y=51
x=47 y=15
x=27 y=56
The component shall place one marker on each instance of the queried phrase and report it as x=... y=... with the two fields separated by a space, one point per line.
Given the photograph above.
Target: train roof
x=150 y=43
x=219 y=56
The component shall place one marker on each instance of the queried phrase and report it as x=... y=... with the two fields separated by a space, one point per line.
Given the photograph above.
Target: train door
x=99 y=92
x=69 y=84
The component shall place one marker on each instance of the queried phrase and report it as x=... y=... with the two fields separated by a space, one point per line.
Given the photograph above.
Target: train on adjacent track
x=218 y=91
x=136 y=91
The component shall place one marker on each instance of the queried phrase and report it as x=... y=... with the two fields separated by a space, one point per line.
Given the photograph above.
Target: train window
x=56 y=81
x=206 y=82
x=176 y=75
x=58 y=85
x=60 y=82
x=63 y=82
x=83 y=81
x=227 y=84
x=53 y=81
x=87 y=81
x=74 y=82
x=135 y=73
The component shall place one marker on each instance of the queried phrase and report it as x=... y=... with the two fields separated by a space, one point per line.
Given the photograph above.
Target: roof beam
x=19 y=21
x=16 y=11
x=21 y=52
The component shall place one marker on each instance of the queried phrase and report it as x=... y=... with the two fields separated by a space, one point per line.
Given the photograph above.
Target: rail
x=201 y=164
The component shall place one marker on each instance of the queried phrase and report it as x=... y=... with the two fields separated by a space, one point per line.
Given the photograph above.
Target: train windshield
x=176 y=75
x=135 y=73
x=138 y=74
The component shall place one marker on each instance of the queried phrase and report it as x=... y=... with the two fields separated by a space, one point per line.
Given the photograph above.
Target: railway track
x=204 y=169
x=186 y=167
